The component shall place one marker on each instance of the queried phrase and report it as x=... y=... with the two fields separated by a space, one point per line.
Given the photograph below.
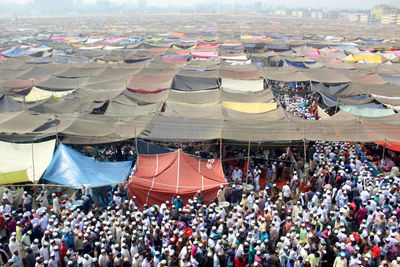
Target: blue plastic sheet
x=73 y=169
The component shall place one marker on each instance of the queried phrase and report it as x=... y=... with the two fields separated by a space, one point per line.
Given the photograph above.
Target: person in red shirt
x=376 y=252
x=240 y=262
x=63 y=250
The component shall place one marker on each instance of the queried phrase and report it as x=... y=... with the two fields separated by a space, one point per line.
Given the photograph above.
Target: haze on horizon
x=330 y=4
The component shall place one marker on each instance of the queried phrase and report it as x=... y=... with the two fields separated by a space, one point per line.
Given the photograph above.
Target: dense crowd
x=332 y=212
x=296 y=98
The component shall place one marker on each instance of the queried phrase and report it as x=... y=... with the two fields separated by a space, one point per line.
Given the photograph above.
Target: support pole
x=248 y=160
x=305 y=150
x=384 y=148
x=220 y=149
x=33 y=162
x=136 y=144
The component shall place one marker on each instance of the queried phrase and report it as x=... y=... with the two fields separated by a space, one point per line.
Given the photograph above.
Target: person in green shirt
x=251 y=256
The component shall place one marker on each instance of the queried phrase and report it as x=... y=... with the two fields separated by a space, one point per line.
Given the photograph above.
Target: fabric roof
x=162 y=177
x=250 y=107
x=22 y=162
x=72 y=169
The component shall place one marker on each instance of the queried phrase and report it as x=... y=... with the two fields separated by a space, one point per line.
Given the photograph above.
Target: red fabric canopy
x=390 y=145
x=162 y=177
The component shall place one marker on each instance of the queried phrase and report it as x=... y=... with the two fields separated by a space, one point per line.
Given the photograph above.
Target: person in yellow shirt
x=340 y=261
x=18 y=231
x=313 y=259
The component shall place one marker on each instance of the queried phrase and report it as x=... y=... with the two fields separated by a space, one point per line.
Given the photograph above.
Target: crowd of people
x=296 y=98
x=334 y=212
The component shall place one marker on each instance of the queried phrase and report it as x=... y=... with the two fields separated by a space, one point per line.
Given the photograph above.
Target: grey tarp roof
x=185 y=83
x=197 y=97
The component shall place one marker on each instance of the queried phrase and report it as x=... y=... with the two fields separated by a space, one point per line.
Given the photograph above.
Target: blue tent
x=14 y=52
x=70 y=168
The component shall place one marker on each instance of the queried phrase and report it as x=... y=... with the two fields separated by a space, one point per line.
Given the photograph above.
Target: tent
x=70 y=168
x=162 y=177
x=395 y=146
x=24 y=162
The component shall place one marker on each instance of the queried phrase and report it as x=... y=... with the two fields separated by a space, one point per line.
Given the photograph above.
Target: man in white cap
x=56 y=204
x=237 y=175
x=27 y=201
x=26 y=240
x=221 y=194
x=103 y=258
x=178 y=202
x=8 y=197
x=14 y=245
x=44 y=251
x=42 y=199
x=340 y=261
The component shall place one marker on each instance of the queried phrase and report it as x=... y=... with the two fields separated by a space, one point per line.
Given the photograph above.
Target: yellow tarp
x=14 y=177
x=250 y=107
x=367 y=58
x=37 y=94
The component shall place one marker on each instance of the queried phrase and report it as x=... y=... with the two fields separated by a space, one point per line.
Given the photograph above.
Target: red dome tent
x=162 y=177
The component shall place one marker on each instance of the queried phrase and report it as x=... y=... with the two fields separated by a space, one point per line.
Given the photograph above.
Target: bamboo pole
x=248 y=160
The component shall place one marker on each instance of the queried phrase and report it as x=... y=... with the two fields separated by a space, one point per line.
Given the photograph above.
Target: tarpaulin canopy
x=163 y=177
x=395 y=146
x=185 y=83
x=73 y=169
x=367 y=112
x=24 y=162
x=250 y=107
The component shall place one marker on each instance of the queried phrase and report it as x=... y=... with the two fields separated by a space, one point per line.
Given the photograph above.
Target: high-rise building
x=378 y=11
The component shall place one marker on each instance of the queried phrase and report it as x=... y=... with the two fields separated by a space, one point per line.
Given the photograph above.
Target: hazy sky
x=362 y=4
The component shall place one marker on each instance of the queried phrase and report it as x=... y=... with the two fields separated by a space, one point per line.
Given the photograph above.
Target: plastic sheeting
x=367 y=112
x=21 y=161
x=72 y=169
x=162 y=177
x=250 y=107
x=206 y=54
x=243 y=85
x=184 y=83
x=37 y=94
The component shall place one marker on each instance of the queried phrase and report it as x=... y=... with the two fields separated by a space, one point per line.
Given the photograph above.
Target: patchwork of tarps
x=173 y=88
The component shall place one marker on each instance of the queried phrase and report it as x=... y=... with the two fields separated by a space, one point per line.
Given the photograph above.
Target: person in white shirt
x=42 y=199
x=5 y=208
x=56 y=204
x=7 y=195
x=237 y=175
x=27 y=201
x=286 y=192
x=256 y=175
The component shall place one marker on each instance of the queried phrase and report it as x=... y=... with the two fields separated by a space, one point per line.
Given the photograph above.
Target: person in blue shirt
x=178 y=202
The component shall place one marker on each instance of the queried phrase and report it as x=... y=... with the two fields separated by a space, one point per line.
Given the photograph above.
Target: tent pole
x=384 y=148
x=137 y=149
x=248 y=162
x=220 y=149
x=33 y=162
x=305 y=150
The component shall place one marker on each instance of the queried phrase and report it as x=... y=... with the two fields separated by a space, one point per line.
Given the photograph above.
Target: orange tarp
x=162 y=177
